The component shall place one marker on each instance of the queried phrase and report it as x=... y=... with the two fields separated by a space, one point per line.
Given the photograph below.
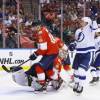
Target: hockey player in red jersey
x=46 y=67
x=48 y=48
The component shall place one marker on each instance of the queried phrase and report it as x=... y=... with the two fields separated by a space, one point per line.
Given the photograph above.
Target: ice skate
x=94 y=81
x=40 y=88
x=71 y=82
x=57 y=84
x=77 y=89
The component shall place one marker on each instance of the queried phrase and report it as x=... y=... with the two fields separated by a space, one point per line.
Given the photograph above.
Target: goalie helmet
x=63 y=54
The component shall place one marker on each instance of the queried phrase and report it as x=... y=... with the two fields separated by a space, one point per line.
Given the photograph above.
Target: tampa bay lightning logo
x=81 y=37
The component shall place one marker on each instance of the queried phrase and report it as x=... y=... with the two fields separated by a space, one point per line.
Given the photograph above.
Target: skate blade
x=40 y=92
x=93 y=84
x=71 y=85
x=62 y=86
x=77 y=94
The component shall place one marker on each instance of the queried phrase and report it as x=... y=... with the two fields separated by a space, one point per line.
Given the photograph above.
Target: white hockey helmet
x=87 y=19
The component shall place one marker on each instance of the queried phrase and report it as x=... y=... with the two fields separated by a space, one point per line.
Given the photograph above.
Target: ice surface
x=11 y=91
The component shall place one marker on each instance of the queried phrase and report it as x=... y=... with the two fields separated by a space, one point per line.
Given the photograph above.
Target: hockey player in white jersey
x=95 y=67
x=85 y=46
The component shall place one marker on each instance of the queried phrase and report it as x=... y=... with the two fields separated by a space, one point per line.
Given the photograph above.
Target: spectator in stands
x=1 y=14
x=55 y=27
x=11 y=40
x=7 y=21
x=28 y=22
x=12 y=17
x=51 y=15
x=1 y=33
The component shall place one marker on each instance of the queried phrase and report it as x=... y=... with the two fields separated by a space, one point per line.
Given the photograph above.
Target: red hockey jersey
x=46 y=43
x=59 y=42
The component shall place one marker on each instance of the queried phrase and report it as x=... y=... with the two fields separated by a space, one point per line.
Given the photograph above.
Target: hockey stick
x=5 y=69
x=8 y=70
x=23 y=62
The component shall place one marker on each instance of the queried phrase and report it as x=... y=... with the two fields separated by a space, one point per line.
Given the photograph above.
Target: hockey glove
x=93 y=17
x=72 y=46
x=33 y=56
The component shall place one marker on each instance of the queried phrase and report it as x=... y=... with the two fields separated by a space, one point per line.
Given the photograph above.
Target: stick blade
x=5 y=69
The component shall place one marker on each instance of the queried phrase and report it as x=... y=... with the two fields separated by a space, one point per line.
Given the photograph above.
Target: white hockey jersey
x=97 y=44
x=85 y=39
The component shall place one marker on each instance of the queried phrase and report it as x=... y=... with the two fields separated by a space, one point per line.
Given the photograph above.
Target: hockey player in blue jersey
x=85 y=47
x=95 y=69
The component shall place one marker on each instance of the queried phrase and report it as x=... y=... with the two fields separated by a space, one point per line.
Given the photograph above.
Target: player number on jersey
x=52 y=38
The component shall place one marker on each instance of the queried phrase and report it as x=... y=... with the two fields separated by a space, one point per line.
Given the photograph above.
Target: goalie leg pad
x=20 y=78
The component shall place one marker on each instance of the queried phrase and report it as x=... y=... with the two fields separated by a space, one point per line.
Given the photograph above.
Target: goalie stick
x=8 y=70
